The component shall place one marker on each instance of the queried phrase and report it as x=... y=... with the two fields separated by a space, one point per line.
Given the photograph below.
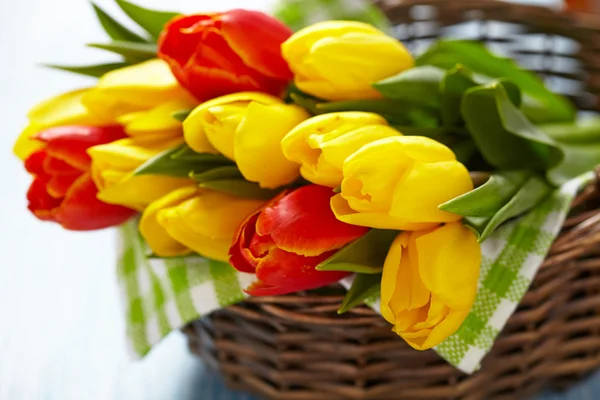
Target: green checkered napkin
x=164 y=295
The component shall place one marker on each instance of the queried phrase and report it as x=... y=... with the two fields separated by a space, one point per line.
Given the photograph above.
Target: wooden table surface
x=61 y=323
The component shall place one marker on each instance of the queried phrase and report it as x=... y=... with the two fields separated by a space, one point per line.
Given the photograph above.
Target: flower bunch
x=305 y=157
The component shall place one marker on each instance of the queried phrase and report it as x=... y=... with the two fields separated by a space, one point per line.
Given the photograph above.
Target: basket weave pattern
x=296 y=347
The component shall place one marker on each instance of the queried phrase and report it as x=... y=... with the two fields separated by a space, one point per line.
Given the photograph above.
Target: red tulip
x=62 y=190
x=283 y=242
x=212 y=55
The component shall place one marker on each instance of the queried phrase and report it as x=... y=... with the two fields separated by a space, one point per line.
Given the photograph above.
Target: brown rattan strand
x=296 y=347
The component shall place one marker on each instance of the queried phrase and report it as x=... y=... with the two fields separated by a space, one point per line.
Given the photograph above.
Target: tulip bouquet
x=304 y=159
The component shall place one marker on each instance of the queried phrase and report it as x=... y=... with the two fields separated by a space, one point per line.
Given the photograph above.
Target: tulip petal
x=239 y=254
x=216 y=215
x=34 y=164
x=243 y=29
x=204 y=62
x=281 y=272
x=154 y=233
x=425 y=186
x=156 y=120
x=127 y=154
x=443 y=330
x=220 y=123
x=390 y=276
x=80 y=210
x=25 y=144
x=449 y=258
x=179 y=39
x=426 y=150
x=299 y=44
x=302 y=223
x=372 y=173
x=378 y=220
x=348 y=61
x=40 y=202
x=257 y=144
x=337 y=150
x=66 y=109
x=138 y=87
x=410 y=293
x=174 y=222
x=307 y=144
x=70 y=143
x=138 y=191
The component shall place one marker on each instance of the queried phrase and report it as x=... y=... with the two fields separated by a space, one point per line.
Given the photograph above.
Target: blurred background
x=62 y=333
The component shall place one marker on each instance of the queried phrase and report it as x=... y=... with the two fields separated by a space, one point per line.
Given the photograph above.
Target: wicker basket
x=296 y=347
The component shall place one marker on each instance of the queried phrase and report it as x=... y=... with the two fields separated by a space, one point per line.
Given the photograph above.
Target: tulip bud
x=194 y=219
x=429 y=283
x=399 y=182
x=321 y=144
x=65 y=109
x=217 y=54
x=112 y=171
x=283 y=242
x=339 y=60
x=138 y=87
x=247 y=128
x=62 y=190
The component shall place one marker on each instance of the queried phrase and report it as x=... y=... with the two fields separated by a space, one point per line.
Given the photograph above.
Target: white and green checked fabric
x=164 y=295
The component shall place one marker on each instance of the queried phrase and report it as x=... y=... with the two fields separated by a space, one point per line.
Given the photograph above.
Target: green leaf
x=455 y=83
x=240 y=188
x=485 y=215
x=151 y=20
x=308 y=103
x=351 y=267
x=396 y=112
x=542 y=105
x=363 y=288
x=366 y=254
x=181 y=115
x=96 y=70
x=434 y=133
x=419 y=85
x=464 y=150
x=503 y=135
x=220 y=173
x=131 y=50
x=166 y=163
x=487 y=199
x=580 y=145
x=379 y=106
x=114 y=29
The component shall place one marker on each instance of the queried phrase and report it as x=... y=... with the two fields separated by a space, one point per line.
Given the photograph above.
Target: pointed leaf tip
x=95 y=70
x=152 y=21
x=115 y=29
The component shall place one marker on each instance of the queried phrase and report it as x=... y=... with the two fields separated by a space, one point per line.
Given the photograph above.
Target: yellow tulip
x=398 y=183
x=429 y=283
x=194 y=219
x=321 y=144
x=142 y=97
x=339 y=60
x=247 y=128
x=135 y=88
x=65 y=109
x=113 y=164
